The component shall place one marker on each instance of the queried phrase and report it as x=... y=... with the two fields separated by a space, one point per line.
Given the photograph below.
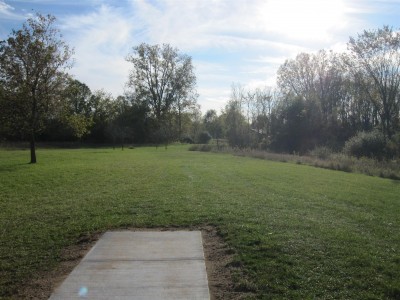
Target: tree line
x=39 y=100
x=322 y=99
x=325 y=99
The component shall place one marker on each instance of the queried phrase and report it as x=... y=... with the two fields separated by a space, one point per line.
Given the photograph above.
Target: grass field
x=297 y=231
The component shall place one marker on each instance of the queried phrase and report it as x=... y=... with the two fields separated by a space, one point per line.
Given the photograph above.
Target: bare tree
x=376 y=55
x=184 y=104
x=161 y=77
x=234 y=119
x=264 y=99
x=298 y=76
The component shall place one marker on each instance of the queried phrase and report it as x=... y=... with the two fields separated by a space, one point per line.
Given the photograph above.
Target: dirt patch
x=218 y=257
x=44 y=283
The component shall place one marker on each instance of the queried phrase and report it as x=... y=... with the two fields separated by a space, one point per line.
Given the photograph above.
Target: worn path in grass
x=145 y=265
x=295 y=231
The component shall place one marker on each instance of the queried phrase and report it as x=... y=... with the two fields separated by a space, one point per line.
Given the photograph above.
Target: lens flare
x=83 y=291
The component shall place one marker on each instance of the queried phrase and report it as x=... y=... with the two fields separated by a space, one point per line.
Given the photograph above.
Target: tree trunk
x=33 y=149
x=179 y=126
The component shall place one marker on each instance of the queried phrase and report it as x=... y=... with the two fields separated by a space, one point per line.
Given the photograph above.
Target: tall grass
x=321 y=158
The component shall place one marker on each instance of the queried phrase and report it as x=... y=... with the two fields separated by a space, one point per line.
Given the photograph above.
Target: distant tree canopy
x=40 y=101
x=375 y=62
x=324 y=99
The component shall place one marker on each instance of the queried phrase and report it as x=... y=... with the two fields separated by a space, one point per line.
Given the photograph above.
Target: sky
x=230 y=41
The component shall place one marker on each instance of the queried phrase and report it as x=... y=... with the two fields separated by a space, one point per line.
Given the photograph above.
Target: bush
x=369 y=144
x=393 y=146
x=204 y=137
x=201 y=147
x=187 y=140
x=321 y=153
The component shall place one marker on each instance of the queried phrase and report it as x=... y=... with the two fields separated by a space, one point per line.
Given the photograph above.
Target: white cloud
x=193 y=24
x=230 y=41
x=247 y=30
x=101 y=41
x=5 y=8
x=8 y=12
x=269 y=59
x=304 y=20
x=214 y=98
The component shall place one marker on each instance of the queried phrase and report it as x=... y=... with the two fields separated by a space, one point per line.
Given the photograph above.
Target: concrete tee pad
x=140 y=265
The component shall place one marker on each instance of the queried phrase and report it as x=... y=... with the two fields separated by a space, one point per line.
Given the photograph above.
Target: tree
x=162 y=78
x=33 y=61
x=298 y=76
x=103 y=111
x=195 y=118
x=138 y=120
x=322 y=81
x=6 y=123
x=77 y=111
x=376 y=55
x=120 y=126
x=264 y=102
x=235 y=124
x=213 y=125
x=183 y=105
x=78 y=96
x=291 y=126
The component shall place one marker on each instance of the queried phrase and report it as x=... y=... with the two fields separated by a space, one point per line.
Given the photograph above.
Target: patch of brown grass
x=335 y=161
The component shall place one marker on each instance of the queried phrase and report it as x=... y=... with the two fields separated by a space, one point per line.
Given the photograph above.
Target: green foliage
x=79 y=124
x=213 y=124
x=235 y=124
x=76 y=113
x=291 y=126
x=393 y=146
x=204 y=137
x=297 y=232
x=368 y=144
x=324 y=98
x=187 y=140
x=33 y=61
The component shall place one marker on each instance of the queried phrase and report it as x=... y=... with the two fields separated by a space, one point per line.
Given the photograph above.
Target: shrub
x=204 y=137
x=206 y=148
x=201 y=147
x=393 y=146
x=369 y=144
x=321 y=153
x=187 y=140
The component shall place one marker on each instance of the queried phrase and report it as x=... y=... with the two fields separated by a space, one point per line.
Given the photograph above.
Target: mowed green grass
x=296 y=231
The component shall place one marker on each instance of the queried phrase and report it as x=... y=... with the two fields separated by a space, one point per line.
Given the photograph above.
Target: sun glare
x=306 y=19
